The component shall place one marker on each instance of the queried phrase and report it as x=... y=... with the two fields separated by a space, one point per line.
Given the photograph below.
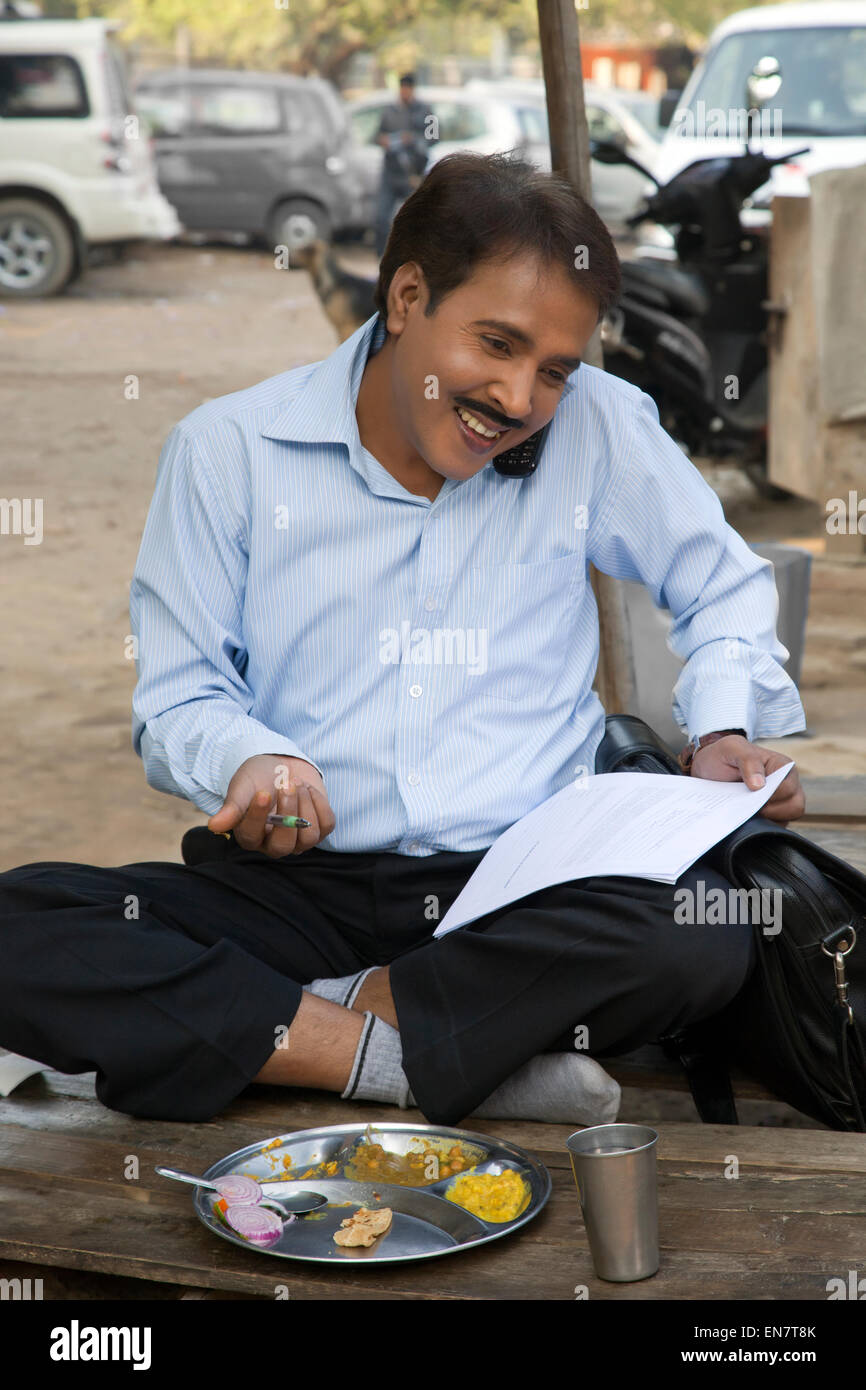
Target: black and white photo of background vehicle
x=37 y=249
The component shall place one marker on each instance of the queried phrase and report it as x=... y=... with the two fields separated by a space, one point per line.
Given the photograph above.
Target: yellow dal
x=490 y=1196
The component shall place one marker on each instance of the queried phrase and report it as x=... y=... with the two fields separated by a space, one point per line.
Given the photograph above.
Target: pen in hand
x=293 y=822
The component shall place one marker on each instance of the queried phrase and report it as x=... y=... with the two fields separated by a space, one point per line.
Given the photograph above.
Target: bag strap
x=847 y=1028
x=708 y=1076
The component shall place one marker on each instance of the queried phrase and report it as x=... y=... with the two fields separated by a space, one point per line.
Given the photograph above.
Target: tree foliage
x=323 y=36
x=299 y=35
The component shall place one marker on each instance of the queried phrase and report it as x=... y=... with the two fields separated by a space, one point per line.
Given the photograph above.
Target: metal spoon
x=296 y=1204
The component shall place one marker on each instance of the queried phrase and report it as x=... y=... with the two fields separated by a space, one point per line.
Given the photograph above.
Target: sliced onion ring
x=239 y=1191
x=260 y=1225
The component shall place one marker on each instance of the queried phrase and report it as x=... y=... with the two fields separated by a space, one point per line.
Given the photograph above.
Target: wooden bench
x=791 y=1220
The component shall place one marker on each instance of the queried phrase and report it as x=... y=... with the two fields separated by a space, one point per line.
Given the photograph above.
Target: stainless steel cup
x=617 y=1181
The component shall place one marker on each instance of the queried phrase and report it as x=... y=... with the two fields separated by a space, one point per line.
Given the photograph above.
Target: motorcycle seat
x=665 y=285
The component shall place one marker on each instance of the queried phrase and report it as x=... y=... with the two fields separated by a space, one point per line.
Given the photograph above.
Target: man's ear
x=408 y=286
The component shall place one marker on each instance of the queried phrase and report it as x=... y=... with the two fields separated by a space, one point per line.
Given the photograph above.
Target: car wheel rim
x=298 y=229
x=26 y=253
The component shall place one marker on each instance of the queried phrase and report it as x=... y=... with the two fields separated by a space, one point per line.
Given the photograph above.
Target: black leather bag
x=797 y=1024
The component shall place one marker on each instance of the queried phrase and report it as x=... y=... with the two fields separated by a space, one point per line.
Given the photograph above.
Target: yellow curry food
x=431 y=1161
x=490 y=1196
x=420 y=1169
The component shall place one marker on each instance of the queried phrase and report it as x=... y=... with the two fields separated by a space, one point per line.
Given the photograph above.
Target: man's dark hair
x=408 y=79
x=474 y=207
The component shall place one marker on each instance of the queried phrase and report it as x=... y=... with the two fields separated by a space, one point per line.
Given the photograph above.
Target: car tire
x=37 y=249
x=297 y=222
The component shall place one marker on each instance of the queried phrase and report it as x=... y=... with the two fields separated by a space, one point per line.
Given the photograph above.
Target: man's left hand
x=734 y=759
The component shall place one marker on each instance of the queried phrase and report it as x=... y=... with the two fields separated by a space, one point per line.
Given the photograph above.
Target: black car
x=267 y=154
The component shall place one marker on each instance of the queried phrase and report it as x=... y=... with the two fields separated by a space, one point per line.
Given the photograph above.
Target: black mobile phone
x=522 y=460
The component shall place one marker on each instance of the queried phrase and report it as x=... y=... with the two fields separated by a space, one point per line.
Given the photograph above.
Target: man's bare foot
x=375 y=996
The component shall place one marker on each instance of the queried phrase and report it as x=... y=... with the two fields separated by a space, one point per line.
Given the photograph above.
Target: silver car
x=466 y=121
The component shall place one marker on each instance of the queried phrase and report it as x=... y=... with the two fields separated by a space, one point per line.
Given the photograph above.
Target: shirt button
x=414 y=846
x=430 y=603
x=414 y=691
x=413 y=779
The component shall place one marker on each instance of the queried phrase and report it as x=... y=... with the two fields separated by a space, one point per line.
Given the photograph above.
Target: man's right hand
x=269 y=784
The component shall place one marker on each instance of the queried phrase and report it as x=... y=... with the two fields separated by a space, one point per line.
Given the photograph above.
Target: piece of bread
x=364 y=1226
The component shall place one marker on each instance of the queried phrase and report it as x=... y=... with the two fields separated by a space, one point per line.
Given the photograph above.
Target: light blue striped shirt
x=432 y=659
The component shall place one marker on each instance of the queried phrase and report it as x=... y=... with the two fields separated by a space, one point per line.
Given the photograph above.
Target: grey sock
x=343 y=991
x=377 y=1071
x=556 y=1087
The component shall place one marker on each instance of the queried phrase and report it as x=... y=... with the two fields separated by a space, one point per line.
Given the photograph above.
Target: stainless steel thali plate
x=425 y=1223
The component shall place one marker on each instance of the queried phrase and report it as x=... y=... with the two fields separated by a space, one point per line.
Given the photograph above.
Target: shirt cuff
x=733 y=705
x=727 y=705
x=252 y=747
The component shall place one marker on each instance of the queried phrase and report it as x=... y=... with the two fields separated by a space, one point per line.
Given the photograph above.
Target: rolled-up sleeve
x=191 y=721
x=662 y=524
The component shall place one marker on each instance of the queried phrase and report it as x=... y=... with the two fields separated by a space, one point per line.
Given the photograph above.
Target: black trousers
x=174 y=982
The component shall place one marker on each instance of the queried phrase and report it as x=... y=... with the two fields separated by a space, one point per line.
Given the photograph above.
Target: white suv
x=820 y=102
x=75 y=168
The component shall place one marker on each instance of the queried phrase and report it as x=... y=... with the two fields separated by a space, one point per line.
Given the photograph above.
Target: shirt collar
x=323 y=411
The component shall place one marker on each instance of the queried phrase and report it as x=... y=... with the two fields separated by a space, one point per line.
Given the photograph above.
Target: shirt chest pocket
x=525 y=620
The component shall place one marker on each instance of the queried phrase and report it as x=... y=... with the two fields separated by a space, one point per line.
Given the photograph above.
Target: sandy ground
x=192 y=324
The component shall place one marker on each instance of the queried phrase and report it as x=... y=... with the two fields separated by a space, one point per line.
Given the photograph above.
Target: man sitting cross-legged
x=346 y=611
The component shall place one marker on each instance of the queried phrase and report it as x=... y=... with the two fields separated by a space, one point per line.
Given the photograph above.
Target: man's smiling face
x=498 y=348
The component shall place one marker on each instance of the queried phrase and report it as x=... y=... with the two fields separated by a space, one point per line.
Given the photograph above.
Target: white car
x=625 y=118
x=76 y=169
x=820 y=52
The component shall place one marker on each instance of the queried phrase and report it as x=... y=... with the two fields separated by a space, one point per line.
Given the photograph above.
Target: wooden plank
x=97 y=1165
x=762 y=1190
x=815 y=1149
x=795 y=444
x=697 y=1277
x=62 y=1284
x=836 y=796
x=686 y=1150
x=737 y=1230
x=847 y=844
x=650 y=1067
x=701 y=1257
x=63 y=1104
x=640 y=1106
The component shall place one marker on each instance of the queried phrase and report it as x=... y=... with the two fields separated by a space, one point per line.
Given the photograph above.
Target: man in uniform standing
x=404 y=137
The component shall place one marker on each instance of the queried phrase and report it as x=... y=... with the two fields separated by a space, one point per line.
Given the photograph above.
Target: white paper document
x=628 y=824
x=15 y=1069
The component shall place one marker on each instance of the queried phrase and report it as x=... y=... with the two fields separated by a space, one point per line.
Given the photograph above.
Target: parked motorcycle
x=692 y=333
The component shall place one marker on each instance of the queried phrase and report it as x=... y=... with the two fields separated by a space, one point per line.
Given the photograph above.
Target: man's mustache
x=503 y=421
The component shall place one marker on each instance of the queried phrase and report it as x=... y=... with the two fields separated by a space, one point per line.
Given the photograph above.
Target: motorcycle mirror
x=606 y=152
x=763 y=82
